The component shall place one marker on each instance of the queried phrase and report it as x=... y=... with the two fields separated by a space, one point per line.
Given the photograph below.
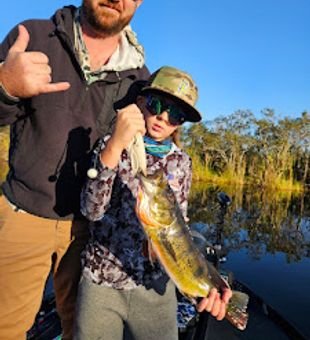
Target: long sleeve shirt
x=114 y=256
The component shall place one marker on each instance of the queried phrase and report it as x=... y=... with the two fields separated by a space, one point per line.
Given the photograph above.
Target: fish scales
x=171 y=241
x=181 y=260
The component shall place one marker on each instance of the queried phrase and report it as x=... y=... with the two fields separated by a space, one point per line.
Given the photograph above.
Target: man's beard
x=102 y=22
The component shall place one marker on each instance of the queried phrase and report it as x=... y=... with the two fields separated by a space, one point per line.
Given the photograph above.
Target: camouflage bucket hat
x=176 y=84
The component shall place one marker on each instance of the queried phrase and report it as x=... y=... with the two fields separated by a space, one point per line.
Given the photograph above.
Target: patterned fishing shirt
x=129 y=53
x=114 y=257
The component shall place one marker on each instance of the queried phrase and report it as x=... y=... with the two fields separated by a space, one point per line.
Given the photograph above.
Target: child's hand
x=214 y=304
x=129 y=121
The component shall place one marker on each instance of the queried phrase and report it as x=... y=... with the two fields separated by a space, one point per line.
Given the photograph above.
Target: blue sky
x=243 y=54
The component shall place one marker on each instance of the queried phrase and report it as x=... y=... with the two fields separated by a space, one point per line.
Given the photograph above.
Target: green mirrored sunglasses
x=156 y=106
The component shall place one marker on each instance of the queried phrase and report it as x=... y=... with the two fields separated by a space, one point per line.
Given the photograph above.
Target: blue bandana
x=158 y=149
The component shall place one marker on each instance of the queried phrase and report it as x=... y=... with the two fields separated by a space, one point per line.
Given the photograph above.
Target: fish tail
x=236 y=310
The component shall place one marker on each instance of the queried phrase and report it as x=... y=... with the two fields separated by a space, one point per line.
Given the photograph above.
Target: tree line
x=239 y=148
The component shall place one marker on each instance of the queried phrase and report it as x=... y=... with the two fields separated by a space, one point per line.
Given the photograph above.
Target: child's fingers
x=211 y=299
x=142 y=130
x=130 y=109
x=207 y=303
x=202 y=305
x=227 y=294
x=216 y=307
x=220 y=316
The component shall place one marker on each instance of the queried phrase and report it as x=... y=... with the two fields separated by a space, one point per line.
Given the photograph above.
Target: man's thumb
x=22 y=40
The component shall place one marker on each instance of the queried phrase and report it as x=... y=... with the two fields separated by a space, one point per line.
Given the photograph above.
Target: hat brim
x=192 y=114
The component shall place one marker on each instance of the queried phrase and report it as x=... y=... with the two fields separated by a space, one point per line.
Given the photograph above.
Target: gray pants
x=111 y=314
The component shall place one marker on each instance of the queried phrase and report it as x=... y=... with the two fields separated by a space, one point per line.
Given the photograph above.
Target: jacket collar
x=132 y=52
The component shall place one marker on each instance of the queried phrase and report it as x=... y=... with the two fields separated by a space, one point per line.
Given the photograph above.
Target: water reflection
x=260 y=221
x=265 y=237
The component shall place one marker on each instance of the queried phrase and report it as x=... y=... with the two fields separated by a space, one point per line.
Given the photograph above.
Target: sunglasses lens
x=156 y=106
x=176 y=116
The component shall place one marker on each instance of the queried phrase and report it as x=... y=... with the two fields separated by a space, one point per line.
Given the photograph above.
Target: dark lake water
x=266 y=241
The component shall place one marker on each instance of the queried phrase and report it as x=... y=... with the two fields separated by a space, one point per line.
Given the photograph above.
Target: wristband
x=6 y=98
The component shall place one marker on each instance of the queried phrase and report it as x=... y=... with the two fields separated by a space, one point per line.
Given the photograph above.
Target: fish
x=137 y=155
x=171 y=241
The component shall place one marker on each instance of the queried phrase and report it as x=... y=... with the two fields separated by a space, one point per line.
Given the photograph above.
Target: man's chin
x=106 y=21
x=108 y=11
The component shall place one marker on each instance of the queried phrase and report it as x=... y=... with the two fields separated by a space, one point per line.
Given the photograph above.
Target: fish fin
x=151 y=252
x=148 y=251
x=236 y=310
x=192 y=300
x=216 y=278
x=144 y=218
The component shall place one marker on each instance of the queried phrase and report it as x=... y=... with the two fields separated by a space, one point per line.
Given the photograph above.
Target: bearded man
x=59 y=82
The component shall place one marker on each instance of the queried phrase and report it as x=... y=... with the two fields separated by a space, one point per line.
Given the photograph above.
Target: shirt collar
x=128 y=55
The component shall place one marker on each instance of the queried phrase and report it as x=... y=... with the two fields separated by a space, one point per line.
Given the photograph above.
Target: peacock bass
x=171 y=241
